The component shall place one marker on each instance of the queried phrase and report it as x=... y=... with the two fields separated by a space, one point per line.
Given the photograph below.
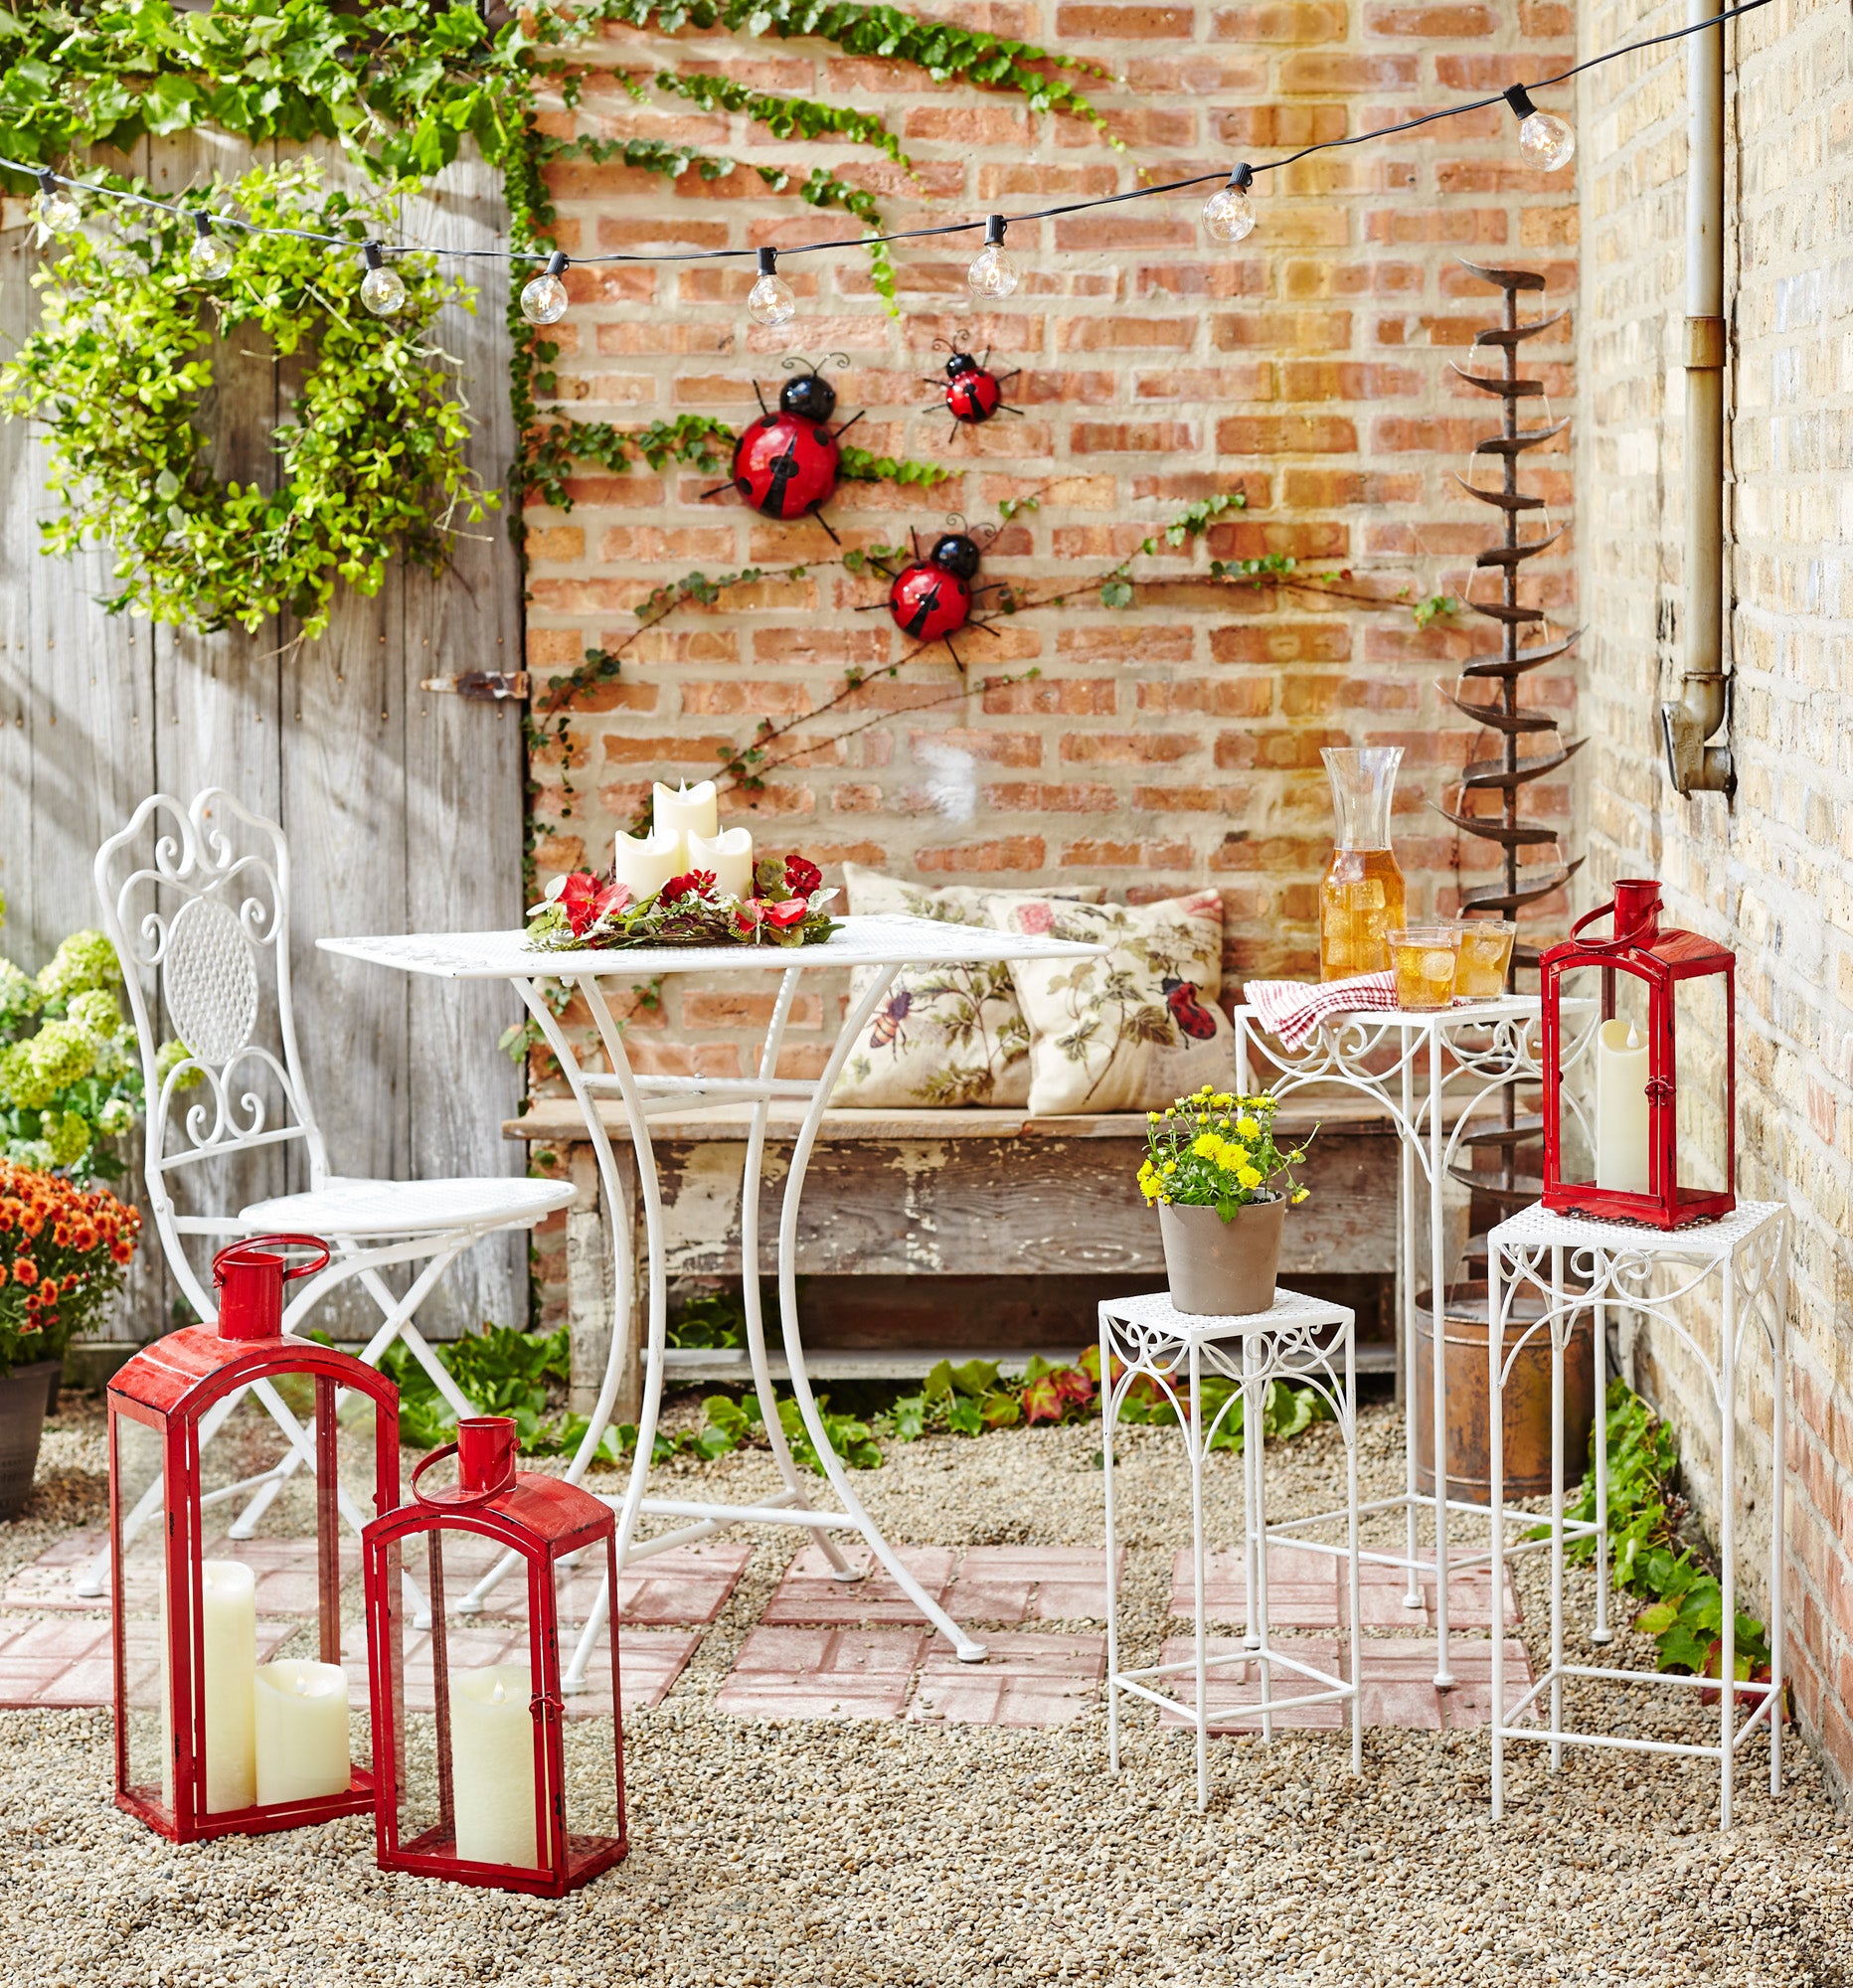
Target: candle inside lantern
x=227 y=1686
x=1622 y=1115
x=646 y=862
x=730 y=856
x=492 y=1765
x=686 y=810
x=301 y=1730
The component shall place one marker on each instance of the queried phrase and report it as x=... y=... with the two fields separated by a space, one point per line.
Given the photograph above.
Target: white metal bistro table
x=1467 y=1056
x=1148 y=1337
x=1576 y=1264
x=885 y=944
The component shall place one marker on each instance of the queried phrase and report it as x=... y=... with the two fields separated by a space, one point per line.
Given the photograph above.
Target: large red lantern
x=482 y=1779
x=1639 y=1070
x=237 y=1457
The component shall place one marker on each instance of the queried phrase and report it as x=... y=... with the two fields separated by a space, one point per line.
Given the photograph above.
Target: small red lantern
x=481 y=1778
x=237 y=1455
x=1639 y=1052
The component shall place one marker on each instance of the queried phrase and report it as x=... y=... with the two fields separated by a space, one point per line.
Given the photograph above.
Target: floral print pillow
x=943 y=1034
x=1132 y=1030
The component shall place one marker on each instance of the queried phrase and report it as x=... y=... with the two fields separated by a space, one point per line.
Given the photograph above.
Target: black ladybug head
x=957 y=553
x=960 y=365
x=810 y=396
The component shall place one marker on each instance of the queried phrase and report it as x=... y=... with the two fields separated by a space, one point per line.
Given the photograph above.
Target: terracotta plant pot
x=1218 y=1268
x=23 y=1396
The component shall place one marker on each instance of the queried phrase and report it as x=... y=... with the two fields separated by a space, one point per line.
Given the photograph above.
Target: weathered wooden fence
x=403 y=806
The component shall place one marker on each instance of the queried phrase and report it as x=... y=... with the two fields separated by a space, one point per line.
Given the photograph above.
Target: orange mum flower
x=25 y=1269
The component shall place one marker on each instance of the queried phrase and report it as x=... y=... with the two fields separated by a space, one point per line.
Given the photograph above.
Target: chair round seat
x=375 y=1208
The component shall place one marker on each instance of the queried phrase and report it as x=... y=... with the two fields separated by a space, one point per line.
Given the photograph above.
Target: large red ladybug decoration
x=931 y=598
x=785 y=463
x=974 y=393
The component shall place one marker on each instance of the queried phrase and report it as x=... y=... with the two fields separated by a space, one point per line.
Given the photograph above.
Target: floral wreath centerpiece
x=784 y=906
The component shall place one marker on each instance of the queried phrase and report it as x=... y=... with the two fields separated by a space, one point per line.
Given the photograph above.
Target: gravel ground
x=823 y=1853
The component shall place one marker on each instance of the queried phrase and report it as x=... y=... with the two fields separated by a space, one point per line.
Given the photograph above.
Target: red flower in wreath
x=691 y=884
x=585 y=901
x=748 y=913
x=802 y=876
x=782 y=917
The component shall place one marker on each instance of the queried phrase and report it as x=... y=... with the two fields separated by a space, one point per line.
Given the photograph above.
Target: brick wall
x=1164 y=746
x=1768 y=872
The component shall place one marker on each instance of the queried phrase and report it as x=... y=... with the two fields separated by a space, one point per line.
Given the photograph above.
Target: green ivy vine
x=370 y=458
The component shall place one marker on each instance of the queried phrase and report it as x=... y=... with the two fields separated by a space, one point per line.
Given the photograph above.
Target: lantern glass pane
x=142 y=1626
x=590 y=1729
x=1603 y=1054
x=1702 y=1102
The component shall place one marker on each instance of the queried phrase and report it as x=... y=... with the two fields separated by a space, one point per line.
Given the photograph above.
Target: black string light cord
x=1517 y=98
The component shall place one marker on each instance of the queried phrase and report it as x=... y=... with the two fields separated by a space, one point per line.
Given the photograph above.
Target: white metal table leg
x=1775 y=1295
x=1438 y=1362
x=1559 y=1326
x=1727 y=1540
x=1109 y=1416
x=1193 y=1446
x=1349 y=1429
x=1255 y=1384
x=1495 y=1448
x=1601 y=1633
x=1406 y=1314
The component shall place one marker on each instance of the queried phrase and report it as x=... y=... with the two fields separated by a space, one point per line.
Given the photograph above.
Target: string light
x=1545 y=139
x=993 y=272
x=544 y=299
x=208 y=258
x=54 y=209
x=382 y=290
x=1230 y=214
x=772 y=301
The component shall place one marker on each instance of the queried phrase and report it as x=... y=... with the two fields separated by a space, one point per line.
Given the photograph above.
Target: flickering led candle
x=730 y=856
x=301 y=1730
x=1621 y=1115
x=646 y=862
x=228 y=1636
x=686 y=810
x=492 y=1764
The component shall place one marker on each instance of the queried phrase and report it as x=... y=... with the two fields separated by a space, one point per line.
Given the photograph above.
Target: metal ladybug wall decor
x=974 y=392
x=930 y=599
x=785 y=463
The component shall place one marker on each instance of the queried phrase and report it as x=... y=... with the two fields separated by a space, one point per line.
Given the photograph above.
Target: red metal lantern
x=481 y=1777
x=237 y=1456
x=1639 y=1052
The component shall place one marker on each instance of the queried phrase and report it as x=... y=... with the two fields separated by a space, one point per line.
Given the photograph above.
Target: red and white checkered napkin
x=1294 y=1009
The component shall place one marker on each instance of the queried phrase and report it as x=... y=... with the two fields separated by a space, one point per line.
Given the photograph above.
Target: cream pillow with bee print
x=943 y=1034
x=1132 y=1030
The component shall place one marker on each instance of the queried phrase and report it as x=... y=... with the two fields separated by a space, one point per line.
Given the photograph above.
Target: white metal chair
x=192 y=930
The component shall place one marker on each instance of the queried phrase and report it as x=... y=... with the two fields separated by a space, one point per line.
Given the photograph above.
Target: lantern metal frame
x=1662 y=960
x=543 y=1520
x=172 y=1387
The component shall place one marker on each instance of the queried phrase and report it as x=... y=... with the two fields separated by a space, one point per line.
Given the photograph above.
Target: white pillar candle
x=228 y=1621
x=303 y=1730
x=730 y=856
x=646 y=862
x=1622 y=1117
x=686 y=810
x=492 y=1764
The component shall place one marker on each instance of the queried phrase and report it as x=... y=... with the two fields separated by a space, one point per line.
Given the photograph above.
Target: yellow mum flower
x=1248 y=1176
x=1205 y=1146
x=1235 y=1156
x=1151 y=1117
x=1170 y=1166
x=1249 y=1127
x=1299 y=1194
x=1223 y=1100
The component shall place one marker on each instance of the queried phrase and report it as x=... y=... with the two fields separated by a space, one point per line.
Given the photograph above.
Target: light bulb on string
x=544 y=300
x=993 y=272
x=208 y=258
x=1546 y=140
x=382 y=290
x=55 y=206
x=1230 y=214
x=771 y=300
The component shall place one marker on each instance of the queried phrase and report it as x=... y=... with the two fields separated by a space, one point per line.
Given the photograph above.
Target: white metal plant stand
x=1148 y=1337
x=1467 y=1056
x=885 y=944
x=1576 y=1265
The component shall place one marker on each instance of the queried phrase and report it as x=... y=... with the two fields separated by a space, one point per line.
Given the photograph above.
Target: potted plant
x=61 y=1253
x=1222 y=1188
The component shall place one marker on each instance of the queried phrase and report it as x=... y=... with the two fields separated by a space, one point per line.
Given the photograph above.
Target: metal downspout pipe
x=1699 y=711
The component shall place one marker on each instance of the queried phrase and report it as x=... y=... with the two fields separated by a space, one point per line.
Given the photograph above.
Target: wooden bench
x=924 y=1193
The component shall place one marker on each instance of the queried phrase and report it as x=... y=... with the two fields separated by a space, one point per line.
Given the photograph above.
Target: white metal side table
x=885 y=944
x=1467 y=1056
x=1148 y=1337
x=1576 y=1264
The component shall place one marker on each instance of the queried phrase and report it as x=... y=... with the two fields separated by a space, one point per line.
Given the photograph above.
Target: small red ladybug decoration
x=974 y=393
x=931 y=598
x=785 y=464
x=1187 y=1011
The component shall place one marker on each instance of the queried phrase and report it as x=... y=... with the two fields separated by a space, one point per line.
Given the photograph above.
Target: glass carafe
x=1361 y=898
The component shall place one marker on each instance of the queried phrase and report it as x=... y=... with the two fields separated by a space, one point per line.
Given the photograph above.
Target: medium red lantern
x=481 y=1777
x=1639 y=1052
x=237 y=1455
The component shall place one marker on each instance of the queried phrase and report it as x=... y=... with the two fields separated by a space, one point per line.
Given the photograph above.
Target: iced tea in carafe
x=1361 y=897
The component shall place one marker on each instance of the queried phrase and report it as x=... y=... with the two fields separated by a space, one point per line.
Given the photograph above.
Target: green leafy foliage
x=783 y=117
x=1217 y=1150
x=502 y=1373
x=371 y=462
x=858 y=465
x=555 y=444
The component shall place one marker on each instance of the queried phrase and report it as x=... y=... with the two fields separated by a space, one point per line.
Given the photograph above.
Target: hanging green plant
x=370 y=454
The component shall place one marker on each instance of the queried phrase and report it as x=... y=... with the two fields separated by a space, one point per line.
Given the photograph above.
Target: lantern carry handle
x=235 y=1252
x=1621 y=940
x=456 y=1499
